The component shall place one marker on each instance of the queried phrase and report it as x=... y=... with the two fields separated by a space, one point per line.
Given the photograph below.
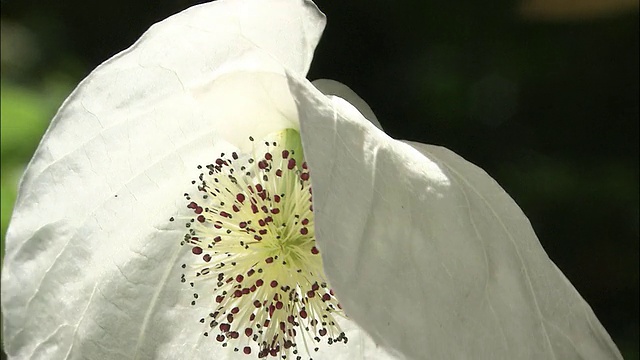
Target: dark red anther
x=240 y=198
x=285 y=154
x=315 y=251
x=225 y=327
x=291 y=164
x=200 y=218
x=304 y=231
x=196 y=250
x=273 y=283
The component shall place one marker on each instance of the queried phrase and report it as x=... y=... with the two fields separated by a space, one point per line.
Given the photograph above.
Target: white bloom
x=192 y=123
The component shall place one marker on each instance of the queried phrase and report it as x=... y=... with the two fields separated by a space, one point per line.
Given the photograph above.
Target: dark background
x=544 y=98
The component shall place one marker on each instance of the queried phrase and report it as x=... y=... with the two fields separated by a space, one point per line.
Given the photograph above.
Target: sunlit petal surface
x=429 y=254
x=92 y=267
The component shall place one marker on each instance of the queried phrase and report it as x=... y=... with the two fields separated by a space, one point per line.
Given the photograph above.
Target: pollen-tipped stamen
x=252 y=234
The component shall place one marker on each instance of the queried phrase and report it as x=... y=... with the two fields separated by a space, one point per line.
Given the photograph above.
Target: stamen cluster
x=252 y=235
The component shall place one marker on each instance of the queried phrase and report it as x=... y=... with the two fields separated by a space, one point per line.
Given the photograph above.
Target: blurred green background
x=543 y=94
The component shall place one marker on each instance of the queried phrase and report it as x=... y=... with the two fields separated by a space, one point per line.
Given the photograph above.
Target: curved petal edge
x=429 y=254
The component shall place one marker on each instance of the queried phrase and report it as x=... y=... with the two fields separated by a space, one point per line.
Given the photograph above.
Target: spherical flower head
x=252 y=234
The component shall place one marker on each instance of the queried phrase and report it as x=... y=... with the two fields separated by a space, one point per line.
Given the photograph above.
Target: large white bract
x=187 y=137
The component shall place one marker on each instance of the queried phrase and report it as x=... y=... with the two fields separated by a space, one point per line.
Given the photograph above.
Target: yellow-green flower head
x=252 y=234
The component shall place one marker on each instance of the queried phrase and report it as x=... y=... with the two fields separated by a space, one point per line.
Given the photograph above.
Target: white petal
x=334 y=88
x=91 y=267
x=214 y=33
x=428 y=254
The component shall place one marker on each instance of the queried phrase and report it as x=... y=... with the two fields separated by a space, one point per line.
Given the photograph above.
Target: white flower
x=180 y=139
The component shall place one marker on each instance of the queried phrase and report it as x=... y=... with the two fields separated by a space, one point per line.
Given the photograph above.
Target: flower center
x=252 y=235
